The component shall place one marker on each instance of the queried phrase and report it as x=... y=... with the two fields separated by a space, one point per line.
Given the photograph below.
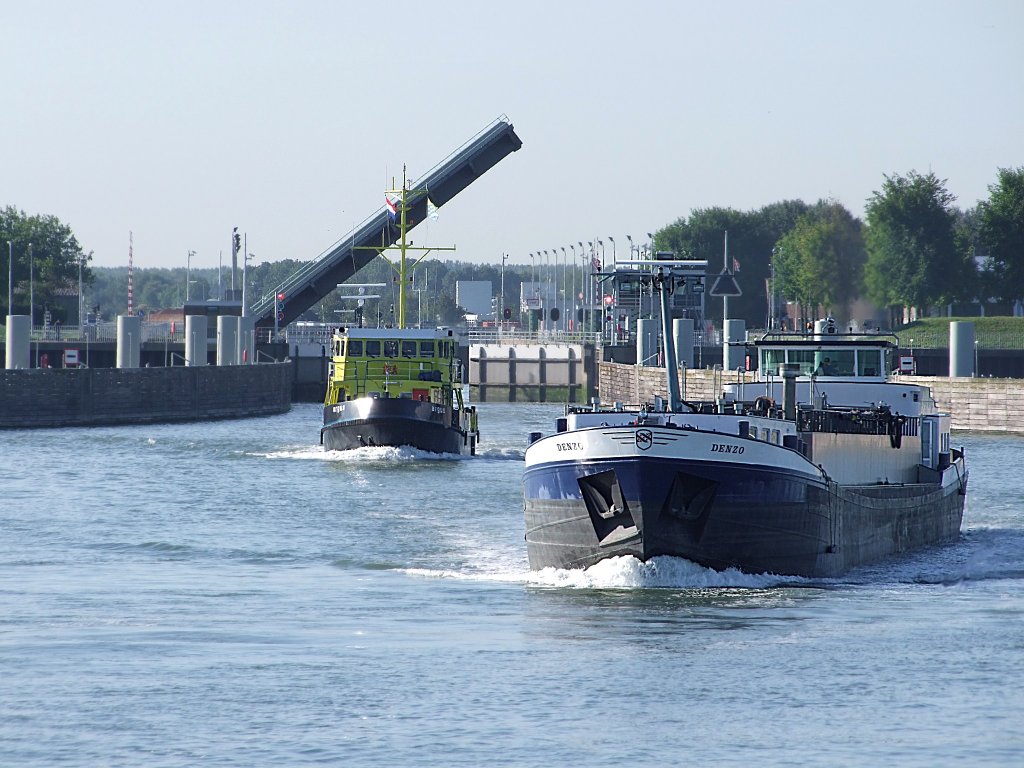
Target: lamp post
x=245 y=263
x=31 y=288
x=80 y=259
x=10 y=277
x=573 y=282
x=188 y=272
x=565 y=263
x=589 y=272
x=613 y=247
x=501 y=304
x=533 y=271
x=630 y=239
x=650 y=244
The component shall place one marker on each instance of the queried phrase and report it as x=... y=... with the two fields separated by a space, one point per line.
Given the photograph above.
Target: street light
x=188 y=272
x=10 y=276
x=613 y=247
x=245 y=263
x=650 y=243
x=573 y=304
x=533 y=272
x=81 y=258
x=501 y=320
x=565 y=306
x=31 y=288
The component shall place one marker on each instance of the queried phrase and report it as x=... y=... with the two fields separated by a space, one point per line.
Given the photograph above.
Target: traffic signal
x=508 y=313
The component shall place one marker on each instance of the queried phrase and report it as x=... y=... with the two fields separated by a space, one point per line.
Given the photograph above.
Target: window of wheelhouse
x=870 y=362
x=372 y=348
x=390 y=348
x=842 y=361
x=355 y=348
x=408 y=349
x=804 y=358
x=426 y=349
x=771 y=359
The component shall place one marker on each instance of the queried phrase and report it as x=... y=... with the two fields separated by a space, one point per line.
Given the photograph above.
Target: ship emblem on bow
x=644 y=439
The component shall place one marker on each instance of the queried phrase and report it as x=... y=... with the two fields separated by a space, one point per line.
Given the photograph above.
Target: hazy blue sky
x=181 y=120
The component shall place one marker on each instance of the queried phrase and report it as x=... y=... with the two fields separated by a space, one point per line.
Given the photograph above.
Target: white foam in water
x=385 y=454
x=619 y=572
x=622 y=573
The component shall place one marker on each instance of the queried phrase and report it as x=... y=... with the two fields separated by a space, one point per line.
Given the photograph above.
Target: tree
x=820 y=262
x=53 y=264
x=915 y=258
x=752 y=235
x=1001 y=231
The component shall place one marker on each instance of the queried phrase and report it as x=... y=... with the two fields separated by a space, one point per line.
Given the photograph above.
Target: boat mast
x=402 y=247
x=402 y=208
x=665 y=284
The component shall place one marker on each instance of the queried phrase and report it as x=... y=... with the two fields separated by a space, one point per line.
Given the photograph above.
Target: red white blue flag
x=390 y=205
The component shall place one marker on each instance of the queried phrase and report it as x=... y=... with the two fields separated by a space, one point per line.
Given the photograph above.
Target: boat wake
x=658 y=572
x=623 y=573
x=378 y=454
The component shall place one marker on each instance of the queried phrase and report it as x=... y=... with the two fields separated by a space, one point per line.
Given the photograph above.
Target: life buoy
x=390 y=369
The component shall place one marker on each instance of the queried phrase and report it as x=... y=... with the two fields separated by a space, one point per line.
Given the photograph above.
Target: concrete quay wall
x=533 y=372
x=975 y=404
x=66 y=397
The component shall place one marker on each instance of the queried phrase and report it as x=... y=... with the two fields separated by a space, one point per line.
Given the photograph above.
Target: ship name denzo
x=723 y=448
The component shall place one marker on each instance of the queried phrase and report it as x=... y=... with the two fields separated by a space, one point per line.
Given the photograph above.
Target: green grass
x=990 y=332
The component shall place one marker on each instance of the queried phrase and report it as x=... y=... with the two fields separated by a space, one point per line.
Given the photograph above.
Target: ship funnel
x=789 y=373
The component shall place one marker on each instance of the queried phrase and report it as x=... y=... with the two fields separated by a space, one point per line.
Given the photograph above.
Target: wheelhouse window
x=408 y=349
x=805 y=359
x=373 y=348
x=870 y=362
x=426 y=349
x=355 y=348
x=390 y=348
x=771 y=359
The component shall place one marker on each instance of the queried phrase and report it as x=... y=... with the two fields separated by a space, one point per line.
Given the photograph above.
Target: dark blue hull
x=756 y=519
x=395 y=422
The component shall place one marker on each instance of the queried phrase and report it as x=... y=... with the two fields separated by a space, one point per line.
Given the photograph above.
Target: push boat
x=819 y=465
x=397 y=386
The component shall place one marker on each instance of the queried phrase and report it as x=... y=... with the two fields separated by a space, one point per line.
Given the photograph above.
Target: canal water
x=227 y=594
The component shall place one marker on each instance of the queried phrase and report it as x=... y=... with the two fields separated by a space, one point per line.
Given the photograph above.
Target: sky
x=179 y=121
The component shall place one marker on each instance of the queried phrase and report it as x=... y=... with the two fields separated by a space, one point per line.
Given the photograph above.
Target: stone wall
x=978 y=404
x=62 y=397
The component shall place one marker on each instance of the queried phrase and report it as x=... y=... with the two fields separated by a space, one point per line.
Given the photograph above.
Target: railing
x=502 y=336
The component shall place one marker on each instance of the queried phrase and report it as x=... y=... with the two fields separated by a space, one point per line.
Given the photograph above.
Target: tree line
x=915 y=248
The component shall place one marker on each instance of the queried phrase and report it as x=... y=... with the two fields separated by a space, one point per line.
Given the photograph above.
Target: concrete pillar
x=227 y=340
x=682 y=330
x=734 y=345
x=961 y=349
x=129 y=340
x=19 y=341
x=646 y=341
x=246 y=340
x=195 y=340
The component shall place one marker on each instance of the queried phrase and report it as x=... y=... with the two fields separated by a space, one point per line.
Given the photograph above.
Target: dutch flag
x=390 y=205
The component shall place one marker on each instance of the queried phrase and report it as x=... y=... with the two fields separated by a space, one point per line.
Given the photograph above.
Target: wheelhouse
x=392 y=362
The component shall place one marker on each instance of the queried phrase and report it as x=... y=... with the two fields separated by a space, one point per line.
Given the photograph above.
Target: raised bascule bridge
x=319 y=277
